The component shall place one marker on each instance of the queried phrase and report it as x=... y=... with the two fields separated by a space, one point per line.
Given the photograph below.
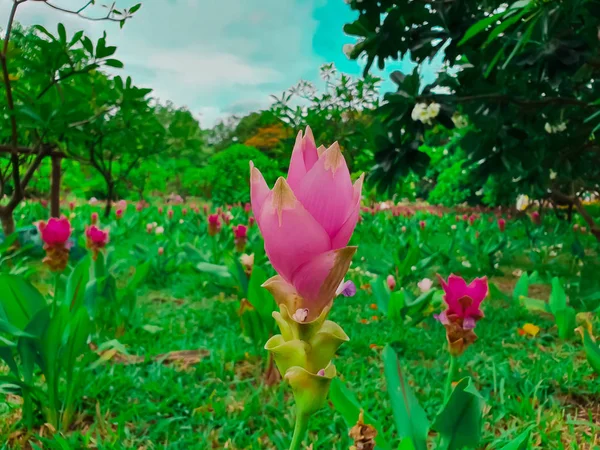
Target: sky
x=217 y=57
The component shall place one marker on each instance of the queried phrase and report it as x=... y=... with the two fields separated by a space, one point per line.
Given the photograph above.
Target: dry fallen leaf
x=363 y=434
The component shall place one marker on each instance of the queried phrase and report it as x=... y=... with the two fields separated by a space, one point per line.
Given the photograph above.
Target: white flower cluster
x=552 y=129
x=459 y=120
x=425 y=112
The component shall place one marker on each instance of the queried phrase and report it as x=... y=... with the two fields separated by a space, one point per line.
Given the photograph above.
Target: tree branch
x=78 y=13
x=576 y=201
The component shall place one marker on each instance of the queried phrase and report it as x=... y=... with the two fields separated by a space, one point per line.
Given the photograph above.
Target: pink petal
x=258 y=191
x=318 y=280
x=478 y=291
x=304 y=157
x=343 y=236
x=454 y=290
x=292 y=236
x=326 y=191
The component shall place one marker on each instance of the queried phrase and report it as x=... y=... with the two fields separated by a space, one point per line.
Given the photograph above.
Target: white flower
x=418 y=111
x=522 y=202
x=479 y=193
x=159 y=230
x=553 y=174
x=433 y=110
x=348 y=49
x=453 y=227
x=466 y=264
x=425 y=285
x=180 y=221
x=552 y=129
x=548 y=128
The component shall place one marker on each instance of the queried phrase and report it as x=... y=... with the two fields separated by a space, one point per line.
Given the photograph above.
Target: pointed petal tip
x=333 y=158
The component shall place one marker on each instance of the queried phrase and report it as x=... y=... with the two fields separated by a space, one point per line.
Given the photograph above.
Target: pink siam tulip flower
x=149 y=228
x=139 y=206
x=422 y=224
x=463 y=310
x=96 y=239
x=160 y=209
x=119 y=214
x=391 y=282
x=55 y=231
x=501 y=224
x=465 y=217
x=307 y=221
x=226 y=217
x=214 y=224
x=44 y=203
x=575 y=227
x=55 y=234
x=247 y=208
x=425 y=285
x=205 y=209
x=472 y=219
x=240 y=237
x=404 y=229
x=94 y=218
x=536 y=218
x=170 y=214
x=161 y=251
x=251 y=221
x=184 y=211
x=122 y=204
x=71 y=205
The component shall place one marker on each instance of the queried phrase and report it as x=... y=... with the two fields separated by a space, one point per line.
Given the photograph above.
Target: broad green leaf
x=460 y=421
x=347 y=405
x=534 y=304
x=259 y=297
x=396 y=305
x=521 y=288
x=411 y=420
x=592 y=351
x=141 y=272
x=558 y=298
x=62 y=33
x=381 y=294
x=565 y=321
x=77 y=284
x=78 y=330
x=19 y=301
x=114 y=63
x=134 y=8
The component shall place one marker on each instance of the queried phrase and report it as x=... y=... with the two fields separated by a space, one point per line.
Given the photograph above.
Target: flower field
x=361 y=225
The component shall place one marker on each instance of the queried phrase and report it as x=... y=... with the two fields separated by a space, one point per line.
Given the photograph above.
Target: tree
x=341 y=112
x=523 y=76
x=38 y=108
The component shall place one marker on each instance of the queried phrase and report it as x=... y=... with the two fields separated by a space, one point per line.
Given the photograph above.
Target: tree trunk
x=109 y=198
x=8 y=222
x=55 y=188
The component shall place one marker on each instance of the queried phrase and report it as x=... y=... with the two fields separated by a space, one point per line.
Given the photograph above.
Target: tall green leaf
x=411 y=420
x=19 y=301
x=460 y=422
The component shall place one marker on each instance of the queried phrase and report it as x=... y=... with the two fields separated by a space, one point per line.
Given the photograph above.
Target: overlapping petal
x=326 y=190
x=292 y=236
x=304 y=156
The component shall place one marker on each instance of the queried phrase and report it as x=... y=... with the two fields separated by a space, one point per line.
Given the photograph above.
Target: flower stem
x=299 y=430
x=452 y=372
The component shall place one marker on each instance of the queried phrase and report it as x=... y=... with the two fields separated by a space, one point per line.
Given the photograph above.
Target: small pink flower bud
x=94 y=218
x=391 y=282
x=161 y=250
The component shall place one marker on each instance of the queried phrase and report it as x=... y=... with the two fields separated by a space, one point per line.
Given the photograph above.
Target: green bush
x=226 y=178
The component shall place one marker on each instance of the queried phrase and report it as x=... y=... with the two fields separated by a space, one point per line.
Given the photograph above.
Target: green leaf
x=62 y=33
x=78 y=331
x=77 y=283
x=396 y=305
x=503 y=26
x=592 y=351
x=381 y=294
x=113 y=63
x=521 y=288
x=411 y=420
x=347 y=405
x=76 y=38
x=565 y=322
x=19 y=301
x=521 y=442
x=141 y=272
x=558 y=298
x=134 y=8
x=213 y=269
x=534 y=304
x=478 y=27
x=460 y=421
x=88 y=45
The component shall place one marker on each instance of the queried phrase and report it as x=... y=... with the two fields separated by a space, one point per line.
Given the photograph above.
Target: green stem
x=299 y=430
x=452 y=372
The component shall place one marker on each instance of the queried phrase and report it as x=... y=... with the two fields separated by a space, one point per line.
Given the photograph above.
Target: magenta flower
x=97 y=236
x=536 y=218
x=307 y=221
x=94 y=218
x=55 y=231
x=501 y=224
x=391 y=282
x=55 y=234
x=240 y=237
x=214 y=224
x=463 y=310
x=119 y=214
